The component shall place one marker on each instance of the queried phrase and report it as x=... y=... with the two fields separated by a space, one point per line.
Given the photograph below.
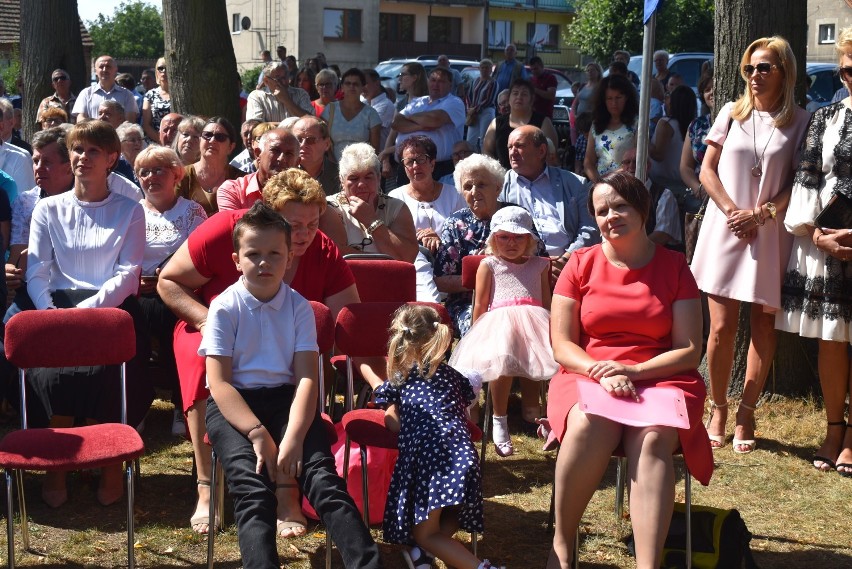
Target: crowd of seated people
x=154 y=207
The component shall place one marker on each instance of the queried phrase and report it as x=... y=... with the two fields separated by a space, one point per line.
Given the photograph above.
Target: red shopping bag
x=380 y=465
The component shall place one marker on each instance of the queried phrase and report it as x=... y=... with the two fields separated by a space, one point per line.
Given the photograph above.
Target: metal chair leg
x=10 y=520
x=688 y=491
x=575 y=563
x=486 y=429
x=474 y=540
x=364 y=485
x=22 y=508
x=214 y=494
x=620 y=484
x=131 y=538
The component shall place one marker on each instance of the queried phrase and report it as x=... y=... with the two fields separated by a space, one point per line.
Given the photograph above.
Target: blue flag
x=650 y=7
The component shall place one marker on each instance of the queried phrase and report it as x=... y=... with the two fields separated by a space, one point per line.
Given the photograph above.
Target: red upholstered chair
x=383 y=280
x=65 y=338
x=325 y=341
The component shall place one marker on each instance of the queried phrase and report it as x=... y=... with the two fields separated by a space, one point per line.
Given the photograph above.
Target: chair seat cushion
x=367 y=427
x=92 y=446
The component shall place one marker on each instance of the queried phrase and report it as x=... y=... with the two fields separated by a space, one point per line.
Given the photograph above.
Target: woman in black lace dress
x=817 y=288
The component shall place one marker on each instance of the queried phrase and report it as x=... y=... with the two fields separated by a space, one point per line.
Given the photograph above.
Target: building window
x=826 y=33
x=445 y=30
x=543 y=37
x=396 y=27
x=341 y=24
x=499 y=33
x=235 y=23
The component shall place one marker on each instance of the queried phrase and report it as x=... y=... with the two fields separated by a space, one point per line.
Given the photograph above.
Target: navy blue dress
x=437 y=466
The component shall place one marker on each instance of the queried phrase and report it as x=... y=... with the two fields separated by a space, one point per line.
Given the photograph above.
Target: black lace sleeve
x=809 y=173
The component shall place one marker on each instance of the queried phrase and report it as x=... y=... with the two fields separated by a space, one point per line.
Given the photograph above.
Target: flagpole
x=645 y=94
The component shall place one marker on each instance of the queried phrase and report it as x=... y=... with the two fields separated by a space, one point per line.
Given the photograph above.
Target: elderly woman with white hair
x=132 y=142
x=479 y=180
x=374 y=222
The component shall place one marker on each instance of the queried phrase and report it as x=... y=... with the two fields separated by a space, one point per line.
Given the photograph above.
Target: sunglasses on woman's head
x=763 y=68
x=217 y=136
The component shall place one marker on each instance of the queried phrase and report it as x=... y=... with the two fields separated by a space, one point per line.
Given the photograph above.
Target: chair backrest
x=470 y=264
x=362 y=329
x=70 y=337
x=325 y=326
x=384 y=280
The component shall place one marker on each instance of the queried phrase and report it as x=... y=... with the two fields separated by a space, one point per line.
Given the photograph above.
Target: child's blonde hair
x=417 y=337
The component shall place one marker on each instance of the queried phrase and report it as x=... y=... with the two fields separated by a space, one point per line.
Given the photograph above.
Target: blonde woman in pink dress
x=743 y=247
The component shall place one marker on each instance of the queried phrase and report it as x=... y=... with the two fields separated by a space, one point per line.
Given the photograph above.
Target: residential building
x=825 y=20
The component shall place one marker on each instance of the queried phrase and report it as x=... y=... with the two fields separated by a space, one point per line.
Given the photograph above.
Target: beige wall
x=826 y=13
x=471 y=18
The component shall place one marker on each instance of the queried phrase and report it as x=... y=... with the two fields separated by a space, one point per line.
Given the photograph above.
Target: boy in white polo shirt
x=260 y=344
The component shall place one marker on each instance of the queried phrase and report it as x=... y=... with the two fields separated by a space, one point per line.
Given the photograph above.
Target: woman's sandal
x=292 y=527
x=845 y=473
x=416 y=558
x=716 y=441
x=200 y=523
x=824 y=460
x=748 y=444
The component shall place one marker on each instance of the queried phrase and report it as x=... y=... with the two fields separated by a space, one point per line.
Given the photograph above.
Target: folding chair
x=66 y=338
x=325 y=340
x=380 y=279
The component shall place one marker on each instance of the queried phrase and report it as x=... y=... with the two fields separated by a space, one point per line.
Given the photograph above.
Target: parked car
x=824 y=83
x=389 y=70
x=687 y=65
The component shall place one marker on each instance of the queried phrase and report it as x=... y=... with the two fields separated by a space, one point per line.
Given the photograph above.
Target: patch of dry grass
x=799 y=517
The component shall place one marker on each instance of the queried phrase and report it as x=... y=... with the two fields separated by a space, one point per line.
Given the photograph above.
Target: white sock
x=500 y=426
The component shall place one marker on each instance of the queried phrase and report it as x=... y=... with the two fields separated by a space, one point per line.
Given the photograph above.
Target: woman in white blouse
x=169 y=219
x=85 y=250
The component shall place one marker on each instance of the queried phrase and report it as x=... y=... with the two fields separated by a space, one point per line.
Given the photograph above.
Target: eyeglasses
x=845 y=73
x=510 y=237
x=324 y=85
x=410 y=162
x=147 y=172
x=60 y=78
x=404 y=74
x=763 y=68
x=308 y=140
x=161 y=69
x=217 y=136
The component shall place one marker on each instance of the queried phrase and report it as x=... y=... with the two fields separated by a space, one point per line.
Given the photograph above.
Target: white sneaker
x=178 y=424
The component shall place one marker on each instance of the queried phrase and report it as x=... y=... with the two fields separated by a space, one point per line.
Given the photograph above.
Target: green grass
x=799 y=517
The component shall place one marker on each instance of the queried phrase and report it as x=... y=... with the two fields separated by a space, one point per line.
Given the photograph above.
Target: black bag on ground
x=720 y=540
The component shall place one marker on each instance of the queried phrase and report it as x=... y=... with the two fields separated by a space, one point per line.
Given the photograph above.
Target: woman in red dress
x=625 y=314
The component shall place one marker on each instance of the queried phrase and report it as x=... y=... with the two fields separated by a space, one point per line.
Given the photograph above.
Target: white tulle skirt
x=511 y=341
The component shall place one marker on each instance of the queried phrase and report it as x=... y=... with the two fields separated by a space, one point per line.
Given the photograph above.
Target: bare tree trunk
x=50 y=39
x=738 y=23
x=203 y=78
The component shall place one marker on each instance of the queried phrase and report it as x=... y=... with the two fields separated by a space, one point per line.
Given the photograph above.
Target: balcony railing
x=554 y=5
x=389 y=49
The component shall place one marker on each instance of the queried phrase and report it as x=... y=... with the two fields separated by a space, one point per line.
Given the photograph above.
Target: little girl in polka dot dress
x=436 y=486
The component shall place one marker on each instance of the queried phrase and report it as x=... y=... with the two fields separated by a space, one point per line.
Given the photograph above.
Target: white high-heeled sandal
x=718 y=439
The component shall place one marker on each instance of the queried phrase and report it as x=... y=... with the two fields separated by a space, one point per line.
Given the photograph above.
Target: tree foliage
x=603 y=26
x=135 y=30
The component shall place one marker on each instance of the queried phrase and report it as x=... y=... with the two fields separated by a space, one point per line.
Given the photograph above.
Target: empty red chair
x=65 y=338
x=384 y=280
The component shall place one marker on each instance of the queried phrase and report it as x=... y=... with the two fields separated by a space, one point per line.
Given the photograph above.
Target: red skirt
x=694 y=443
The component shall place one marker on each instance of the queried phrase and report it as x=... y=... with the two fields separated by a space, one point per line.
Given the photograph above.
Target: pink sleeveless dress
x=513 y=337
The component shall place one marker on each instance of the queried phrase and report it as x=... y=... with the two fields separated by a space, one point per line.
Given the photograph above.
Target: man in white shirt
x=375 y=95
x=440 y=115
x=90 y=98
x=245 y=160
x=18 y=164
x=282 y=101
